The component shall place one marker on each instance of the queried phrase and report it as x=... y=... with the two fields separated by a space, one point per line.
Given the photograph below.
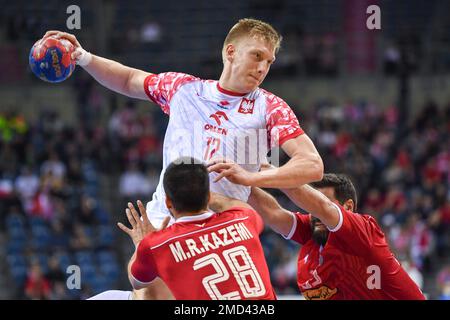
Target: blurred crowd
x=51 y=212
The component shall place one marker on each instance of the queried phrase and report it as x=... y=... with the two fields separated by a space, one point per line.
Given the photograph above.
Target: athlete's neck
x=177 y=215
x=227 y=85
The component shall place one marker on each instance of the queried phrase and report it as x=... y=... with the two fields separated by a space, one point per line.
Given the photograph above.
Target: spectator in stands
x=131 y=183
x=26 y=185
x=86 y=212
x=54 y=274
x=413 y=272
x=443 y=283
x=53 y=166
x=60 y=235
x=80 y=239
x=37 y=286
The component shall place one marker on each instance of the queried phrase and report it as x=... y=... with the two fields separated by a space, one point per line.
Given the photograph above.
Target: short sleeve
x=161 y=87
x=143 y=269
x=281 y=122
x=357 y=233
x=301 y=228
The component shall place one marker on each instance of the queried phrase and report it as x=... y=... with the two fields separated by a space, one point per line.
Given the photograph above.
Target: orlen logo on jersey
x=247 y=106
x=219 y=114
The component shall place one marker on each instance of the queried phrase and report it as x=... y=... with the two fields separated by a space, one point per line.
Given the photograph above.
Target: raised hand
x=141 y=225
x=81 y=56
x=230 y=170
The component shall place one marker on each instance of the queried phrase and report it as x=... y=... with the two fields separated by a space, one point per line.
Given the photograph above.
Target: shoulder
x=158 y=238
x=361 y=231
x=355 y=217
x=172 y=79
x=239 y=214
x=272 y=100
x=238 y=211
x=301 y=228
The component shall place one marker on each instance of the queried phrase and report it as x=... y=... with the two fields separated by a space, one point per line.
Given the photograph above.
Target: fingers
x=144 y=217
x=165 y=223
x=142 y=211
x=130 y=218
x=124 y=229
x=134 y=213
x=219 y=167
x=214 y=161
x=50 y=33
x=218 y=159
x=65 y=35
x=223 y=173
x=75 y=54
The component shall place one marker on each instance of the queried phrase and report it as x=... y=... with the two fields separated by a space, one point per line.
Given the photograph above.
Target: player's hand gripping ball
x=50 y=59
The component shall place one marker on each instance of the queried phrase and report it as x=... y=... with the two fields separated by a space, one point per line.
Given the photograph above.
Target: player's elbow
x=316 y=168
x=136 y=284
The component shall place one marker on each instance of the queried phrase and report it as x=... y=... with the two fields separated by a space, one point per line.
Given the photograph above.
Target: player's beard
x=319 y=233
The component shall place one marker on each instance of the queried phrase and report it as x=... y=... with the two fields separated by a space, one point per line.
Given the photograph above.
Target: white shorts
x=113 y=295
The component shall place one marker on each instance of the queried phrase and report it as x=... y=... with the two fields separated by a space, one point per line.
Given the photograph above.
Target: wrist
x=136 y=243
x=84 y=58
x=254 y=179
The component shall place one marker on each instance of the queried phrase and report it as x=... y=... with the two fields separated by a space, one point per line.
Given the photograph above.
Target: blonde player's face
x=251 y=62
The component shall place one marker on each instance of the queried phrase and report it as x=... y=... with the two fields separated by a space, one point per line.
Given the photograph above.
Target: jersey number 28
x=240 y=272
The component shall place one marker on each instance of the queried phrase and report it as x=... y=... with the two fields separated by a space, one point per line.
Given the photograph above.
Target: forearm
x=111 y=74
x=277 y=218
x=296 y=172
x=315 y=203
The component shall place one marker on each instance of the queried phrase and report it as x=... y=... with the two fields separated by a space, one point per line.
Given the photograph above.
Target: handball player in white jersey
x=210 y=119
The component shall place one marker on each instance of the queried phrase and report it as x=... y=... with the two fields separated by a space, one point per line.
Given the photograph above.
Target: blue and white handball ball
x=50 y=59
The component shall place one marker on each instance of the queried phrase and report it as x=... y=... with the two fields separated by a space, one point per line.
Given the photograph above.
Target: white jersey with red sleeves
x=215 y=256
x=207 y=121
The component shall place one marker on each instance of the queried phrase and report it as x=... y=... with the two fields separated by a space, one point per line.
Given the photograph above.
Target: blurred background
x=375 y=102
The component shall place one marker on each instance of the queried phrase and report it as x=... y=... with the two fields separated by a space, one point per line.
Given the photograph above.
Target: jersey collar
x=230 y=93
x=197 y=217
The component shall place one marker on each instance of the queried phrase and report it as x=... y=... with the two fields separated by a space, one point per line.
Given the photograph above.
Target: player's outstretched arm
x=276 y=217
x=111 y=74
x=305 y=166
x=141 y=269
x=315 y=203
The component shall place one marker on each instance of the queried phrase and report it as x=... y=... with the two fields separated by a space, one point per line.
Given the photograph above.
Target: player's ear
x=349 y=205
x=169 y=204
x=230 y=51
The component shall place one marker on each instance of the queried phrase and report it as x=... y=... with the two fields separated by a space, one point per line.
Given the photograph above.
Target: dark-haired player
x=344 y=254
x=203 y=255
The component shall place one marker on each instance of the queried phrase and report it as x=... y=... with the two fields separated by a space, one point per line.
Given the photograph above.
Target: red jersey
x=355 y=263
x=209 y=256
